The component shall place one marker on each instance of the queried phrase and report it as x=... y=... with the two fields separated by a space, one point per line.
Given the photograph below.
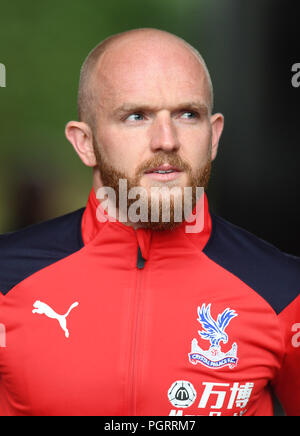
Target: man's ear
x=217 y=125
x=80 y=135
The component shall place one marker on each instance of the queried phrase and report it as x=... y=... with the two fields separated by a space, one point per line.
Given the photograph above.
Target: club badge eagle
x=214 y=332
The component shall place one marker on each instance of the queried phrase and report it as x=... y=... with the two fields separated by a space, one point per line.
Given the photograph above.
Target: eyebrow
x=126 y=108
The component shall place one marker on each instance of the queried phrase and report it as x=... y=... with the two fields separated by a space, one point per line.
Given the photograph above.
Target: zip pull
x=140 y=260
x=143 y=241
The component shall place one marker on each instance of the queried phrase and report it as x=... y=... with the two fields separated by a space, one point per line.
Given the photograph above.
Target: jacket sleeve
x=287 y=382
x=2 y=330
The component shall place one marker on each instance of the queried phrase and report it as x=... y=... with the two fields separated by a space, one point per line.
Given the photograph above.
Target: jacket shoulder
x=26 y=251
x=273 y=274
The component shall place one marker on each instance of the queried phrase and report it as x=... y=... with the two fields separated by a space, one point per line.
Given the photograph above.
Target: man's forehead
x=147 y=66
x=143 y=61
x=140 y=49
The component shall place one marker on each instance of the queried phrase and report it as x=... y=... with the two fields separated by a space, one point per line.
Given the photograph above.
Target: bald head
x=123 y=48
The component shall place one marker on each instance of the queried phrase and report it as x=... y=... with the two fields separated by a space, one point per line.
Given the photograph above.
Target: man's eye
x=135 y=117
x=188 y=115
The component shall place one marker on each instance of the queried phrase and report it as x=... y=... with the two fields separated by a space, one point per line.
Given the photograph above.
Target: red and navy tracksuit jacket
x=97 y=318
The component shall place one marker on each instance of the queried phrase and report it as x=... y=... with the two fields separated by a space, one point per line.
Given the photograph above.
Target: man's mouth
x=163 y=169
x=164 y=172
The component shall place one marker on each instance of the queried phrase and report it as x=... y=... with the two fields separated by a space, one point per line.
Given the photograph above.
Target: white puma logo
x=44 y=309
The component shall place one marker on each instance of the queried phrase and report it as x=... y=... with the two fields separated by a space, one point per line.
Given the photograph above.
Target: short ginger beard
x=110 y=178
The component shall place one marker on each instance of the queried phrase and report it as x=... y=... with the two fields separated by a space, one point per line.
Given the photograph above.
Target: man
x=106 y=313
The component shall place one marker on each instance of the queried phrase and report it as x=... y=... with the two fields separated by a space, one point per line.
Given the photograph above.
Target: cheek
x=111 y=147
x=121 y=150
x=196 y=146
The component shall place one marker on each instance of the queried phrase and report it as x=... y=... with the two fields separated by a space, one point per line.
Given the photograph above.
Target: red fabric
x=130 y=335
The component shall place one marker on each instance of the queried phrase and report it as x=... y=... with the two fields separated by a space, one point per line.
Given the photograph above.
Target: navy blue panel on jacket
x=268 y=271
x=26 y=251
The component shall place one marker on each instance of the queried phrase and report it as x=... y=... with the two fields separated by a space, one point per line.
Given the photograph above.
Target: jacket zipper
x=137 y=317
x=140 y=260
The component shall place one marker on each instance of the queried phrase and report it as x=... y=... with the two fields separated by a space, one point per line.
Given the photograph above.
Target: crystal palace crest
x=214 y=332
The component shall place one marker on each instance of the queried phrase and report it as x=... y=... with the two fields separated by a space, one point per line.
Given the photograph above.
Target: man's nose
x=164 y=135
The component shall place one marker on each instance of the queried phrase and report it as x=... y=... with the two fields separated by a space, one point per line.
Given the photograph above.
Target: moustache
x=163 y=159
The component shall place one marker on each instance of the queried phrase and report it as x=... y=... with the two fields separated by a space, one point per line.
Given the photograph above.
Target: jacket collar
x=198 y=231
